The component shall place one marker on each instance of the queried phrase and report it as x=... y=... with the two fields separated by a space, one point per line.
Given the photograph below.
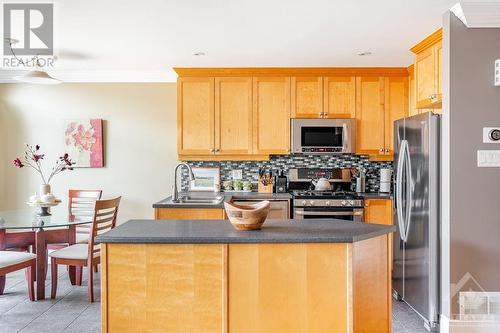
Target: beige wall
x=140 y=140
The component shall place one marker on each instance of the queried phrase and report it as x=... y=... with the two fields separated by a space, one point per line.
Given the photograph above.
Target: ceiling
x=132 y=41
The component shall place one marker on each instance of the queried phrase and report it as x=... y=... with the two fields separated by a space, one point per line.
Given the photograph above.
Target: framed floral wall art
x=83 y=141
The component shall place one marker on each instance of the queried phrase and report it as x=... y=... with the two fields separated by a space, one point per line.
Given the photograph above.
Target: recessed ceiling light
x=366 y=53
x=199 y=54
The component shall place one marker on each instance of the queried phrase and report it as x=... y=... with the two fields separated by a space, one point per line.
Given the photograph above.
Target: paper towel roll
x=385 y=175
x=385 y=187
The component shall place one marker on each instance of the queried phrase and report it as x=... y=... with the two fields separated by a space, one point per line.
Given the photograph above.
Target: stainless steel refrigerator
x=416 y=214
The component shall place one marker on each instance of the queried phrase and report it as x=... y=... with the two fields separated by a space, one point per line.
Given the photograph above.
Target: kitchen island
x=204 y=276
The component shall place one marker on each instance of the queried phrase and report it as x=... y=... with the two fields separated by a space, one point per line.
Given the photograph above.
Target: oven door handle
x=355 y=213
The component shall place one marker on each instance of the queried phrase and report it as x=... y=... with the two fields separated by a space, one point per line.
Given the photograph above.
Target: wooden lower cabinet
x=379 y=211
x=255 y=288
x=164 y=288
x=189 y=214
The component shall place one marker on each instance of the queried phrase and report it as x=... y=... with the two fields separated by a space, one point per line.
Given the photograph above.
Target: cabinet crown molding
x=291 y=71
x=432 y=39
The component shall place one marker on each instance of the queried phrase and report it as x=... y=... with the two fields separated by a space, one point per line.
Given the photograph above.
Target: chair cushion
x=75 y=251
x=82 y=238
x=9 y=258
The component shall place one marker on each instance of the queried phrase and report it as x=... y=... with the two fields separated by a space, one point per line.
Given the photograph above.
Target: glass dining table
x=22 y=228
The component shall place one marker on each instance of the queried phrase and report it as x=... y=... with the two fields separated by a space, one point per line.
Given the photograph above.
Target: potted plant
x=227 y=185
x=238 y=185
x=33 y=158
x=247 y=185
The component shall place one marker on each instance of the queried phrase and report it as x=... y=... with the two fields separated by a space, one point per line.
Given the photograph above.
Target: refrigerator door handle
x=409 y=192
x=399 y=190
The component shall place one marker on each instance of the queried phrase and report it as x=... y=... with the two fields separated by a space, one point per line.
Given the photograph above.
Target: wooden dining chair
x=80 y=204
x=11 y=261
x=86 y=254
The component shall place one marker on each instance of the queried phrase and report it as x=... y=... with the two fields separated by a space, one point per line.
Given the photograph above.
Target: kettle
x=322 y=184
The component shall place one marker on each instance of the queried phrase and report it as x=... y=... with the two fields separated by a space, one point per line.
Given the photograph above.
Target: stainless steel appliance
x=323 y=136
x=280 y=183
x=416 y=188
x=339 y=203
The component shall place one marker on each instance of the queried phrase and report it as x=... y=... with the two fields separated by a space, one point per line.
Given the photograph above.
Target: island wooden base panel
x=240 y=288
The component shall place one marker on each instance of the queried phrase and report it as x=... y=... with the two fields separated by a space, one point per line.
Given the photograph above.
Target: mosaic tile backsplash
x=286 y=162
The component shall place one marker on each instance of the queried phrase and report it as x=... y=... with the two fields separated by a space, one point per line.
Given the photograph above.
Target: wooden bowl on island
x=247 y=217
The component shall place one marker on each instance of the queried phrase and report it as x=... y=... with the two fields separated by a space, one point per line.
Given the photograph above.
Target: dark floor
x=405 y=320
x=70 y=311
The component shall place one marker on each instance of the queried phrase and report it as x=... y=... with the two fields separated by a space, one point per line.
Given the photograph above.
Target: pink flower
x=18 y=163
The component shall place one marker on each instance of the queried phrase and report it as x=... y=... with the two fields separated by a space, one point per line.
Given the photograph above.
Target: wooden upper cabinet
x=370 y=115
x=195 y=115
x=233 y=115
x=438 y=53
x=424 y=79
x=412 y=102
x=271 y=115
x=339 y=97
x=428 y=71
x=307 y=97
x=396 y=107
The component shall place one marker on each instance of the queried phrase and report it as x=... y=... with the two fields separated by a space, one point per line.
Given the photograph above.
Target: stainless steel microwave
x=323 y=136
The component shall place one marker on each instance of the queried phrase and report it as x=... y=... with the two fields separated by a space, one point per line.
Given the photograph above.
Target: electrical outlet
x=237 y=174
x=488 y=158
x=497 y=72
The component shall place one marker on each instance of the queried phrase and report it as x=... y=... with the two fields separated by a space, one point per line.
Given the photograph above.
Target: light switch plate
x=486 y=134
x=497 y=72
x=237 y=174
x=488 y=158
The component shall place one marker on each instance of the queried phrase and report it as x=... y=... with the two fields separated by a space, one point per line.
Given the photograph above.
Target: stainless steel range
x=338 y=203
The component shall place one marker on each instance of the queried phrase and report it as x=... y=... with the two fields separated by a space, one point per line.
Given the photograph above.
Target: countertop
x=221 y=231
x=228 y=196
x=375 y=195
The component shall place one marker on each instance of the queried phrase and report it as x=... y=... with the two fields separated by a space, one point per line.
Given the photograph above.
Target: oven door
x=348 y=214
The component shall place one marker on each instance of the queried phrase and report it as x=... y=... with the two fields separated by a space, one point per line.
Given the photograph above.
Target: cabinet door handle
x=386 y=150
x=381 y=150
x=212 y=150
x=325 y=114
x=321 y=114
x=217 y=150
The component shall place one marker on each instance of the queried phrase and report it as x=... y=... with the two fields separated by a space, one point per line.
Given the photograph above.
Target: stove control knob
x=311 y=202
x=304 y=202
x=351 y=202
x=343 y=203
x=327 y=203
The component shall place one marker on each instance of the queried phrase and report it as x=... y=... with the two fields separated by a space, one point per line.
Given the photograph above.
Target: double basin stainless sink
x=199 y=200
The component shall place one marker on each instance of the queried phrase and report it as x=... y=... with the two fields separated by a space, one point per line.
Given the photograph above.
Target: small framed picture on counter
x=205 y=179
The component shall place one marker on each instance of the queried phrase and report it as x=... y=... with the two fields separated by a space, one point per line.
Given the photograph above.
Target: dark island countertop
x=221 y=231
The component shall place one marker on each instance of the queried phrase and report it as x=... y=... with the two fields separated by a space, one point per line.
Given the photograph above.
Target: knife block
x=265 y=188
